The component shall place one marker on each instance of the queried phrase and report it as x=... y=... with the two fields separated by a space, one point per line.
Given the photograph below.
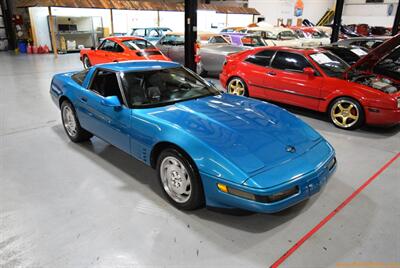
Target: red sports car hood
x=372 y=58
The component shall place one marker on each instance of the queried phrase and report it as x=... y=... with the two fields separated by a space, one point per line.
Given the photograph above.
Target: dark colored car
x=350 y=54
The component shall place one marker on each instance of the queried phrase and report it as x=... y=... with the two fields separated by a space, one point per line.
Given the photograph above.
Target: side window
x=105 y=83
x=118 y=48
x=262 y=58
x=140 y=32
x=80 y=77
x=107 y=45
x=290 y=62
x=153 y=33
x=217 y=40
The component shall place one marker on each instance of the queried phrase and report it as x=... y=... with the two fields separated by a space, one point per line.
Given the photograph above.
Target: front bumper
x=383 y=117
x=307 y=185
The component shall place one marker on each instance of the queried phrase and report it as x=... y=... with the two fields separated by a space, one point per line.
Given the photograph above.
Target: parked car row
x=347 y=82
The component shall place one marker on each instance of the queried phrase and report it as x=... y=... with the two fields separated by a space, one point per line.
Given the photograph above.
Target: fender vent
x=144 y=154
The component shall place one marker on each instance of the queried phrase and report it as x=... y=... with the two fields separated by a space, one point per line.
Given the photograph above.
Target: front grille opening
x=278 y=196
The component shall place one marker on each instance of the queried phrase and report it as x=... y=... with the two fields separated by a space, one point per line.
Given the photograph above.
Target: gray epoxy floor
x=91 y=205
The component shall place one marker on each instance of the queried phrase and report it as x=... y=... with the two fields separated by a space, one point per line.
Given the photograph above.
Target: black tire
x=86 y=62
x=79 y=134
x=357 y=111
x=196 y=198
x=237 y=80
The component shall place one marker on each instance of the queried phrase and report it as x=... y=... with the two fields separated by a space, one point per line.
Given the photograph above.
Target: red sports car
x=115 y=49
x=317 y=79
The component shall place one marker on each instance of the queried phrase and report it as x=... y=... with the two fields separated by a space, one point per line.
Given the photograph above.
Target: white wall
x=357 y=11
x=239 y=20
x=124 y=20
x=274 y=9
x=39 y=16
x=173 y=19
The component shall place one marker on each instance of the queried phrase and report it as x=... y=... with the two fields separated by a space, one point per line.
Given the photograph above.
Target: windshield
x=319 y=34
x=166 y=86
x=332 y=65
x=164 y=31
x=173 y=39
x=252 y=41
x=287 y=35
x=138 y=44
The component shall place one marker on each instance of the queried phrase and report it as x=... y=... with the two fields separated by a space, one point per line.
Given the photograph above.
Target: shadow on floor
x=98 y=151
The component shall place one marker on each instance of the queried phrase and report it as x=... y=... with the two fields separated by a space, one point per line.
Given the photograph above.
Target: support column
x=52 y=34
x=190 y=33
x=112 y=22
x=7 y=16
x=396 y=22
x=337 y=21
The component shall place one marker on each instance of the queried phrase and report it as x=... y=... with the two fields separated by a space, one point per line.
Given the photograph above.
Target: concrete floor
x=91 y=205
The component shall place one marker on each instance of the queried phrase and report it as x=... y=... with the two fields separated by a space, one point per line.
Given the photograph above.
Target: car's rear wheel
x=71 y=124
x=346 y=113
x=237 y=86
x=180 y=180
x=200 y=69
x=86 y=62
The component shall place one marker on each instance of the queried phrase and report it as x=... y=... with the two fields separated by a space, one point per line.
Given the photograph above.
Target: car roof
x=138 y=65
x=301 y=50
x=123 y=38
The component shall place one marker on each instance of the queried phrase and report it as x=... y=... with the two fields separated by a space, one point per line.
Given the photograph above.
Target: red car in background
x=317 y=79
x=115 y=49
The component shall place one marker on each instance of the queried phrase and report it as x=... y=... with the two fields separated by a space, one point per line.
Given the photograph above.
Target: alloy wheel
x=175 y=179
x=69 y=121
x=236 y=87
x=345 y=113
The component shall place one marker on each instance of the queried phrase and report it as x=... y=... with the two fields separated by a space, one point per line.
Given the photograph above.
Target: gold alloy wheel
x=345 y=113
x=236 y=87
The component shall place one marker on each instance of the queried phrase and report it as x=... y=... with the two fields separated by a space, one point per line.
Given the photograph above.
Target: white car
x=276 y=36
x=311 y=37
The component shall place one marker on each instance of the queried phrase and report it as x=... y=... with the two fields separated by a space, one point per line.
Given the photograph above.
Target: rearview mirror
x=309 y=71
x=111 y=101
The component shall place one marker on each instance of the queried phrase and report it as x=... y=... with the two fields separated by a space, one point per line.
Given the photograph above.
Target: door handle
x=84 y=99
x=271 y=73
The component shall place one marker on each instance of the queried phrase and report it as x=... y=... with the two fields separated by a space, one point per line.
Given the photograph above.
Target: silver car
x=368 y=42
x=211 y=53
x=212 y=57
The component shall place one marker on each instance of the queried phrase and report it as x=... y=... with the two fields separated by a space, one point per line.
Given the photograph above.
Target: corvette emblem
x=290 y=149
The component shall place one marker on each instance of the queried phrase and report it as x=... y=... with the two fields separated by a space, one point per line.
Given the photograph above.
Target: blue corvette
x=208 y=148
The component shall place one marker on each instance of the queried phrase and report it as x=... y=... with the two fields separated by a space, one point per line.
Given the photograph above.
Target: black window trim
x=317 y=73
x=85 y=70
x=272 y=58
x=118 y=74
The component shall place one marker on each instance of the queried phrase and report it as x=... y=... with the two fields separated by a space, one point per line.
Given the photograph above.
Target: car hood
x=224 y=49
x=251 y=134
x=373 y=57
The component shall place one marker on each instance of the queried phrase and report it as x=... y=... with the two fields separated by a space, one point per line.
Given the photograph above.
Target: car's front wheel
x=237 y=86
x=86 y=62
x=346 y=113
x=180 y=180
x=71 y=124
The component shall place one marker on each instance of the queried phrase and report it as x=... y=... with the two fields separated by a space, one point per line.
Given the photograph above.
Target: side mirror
x=111 y=101
x=309 y=71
